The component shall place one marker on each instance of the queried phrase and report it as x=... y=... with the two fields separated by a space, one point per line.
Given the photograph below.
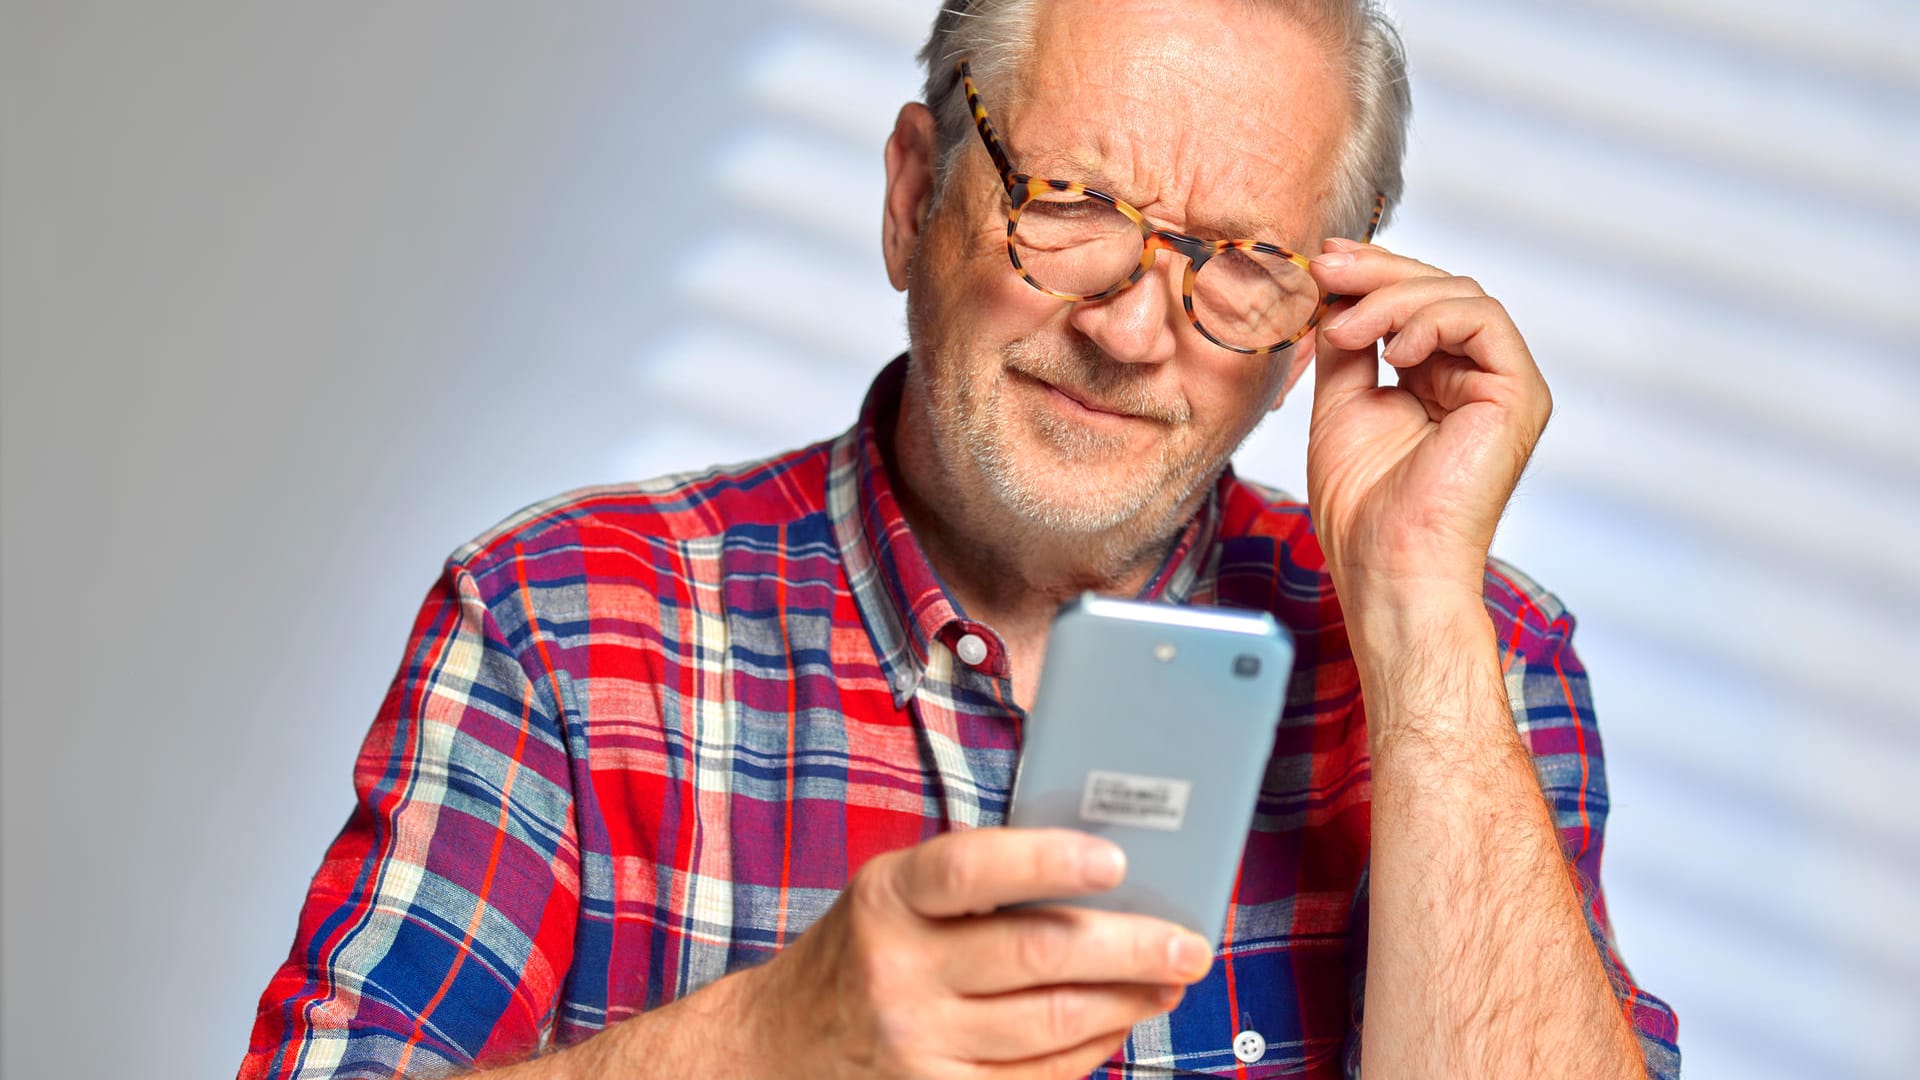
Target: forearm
x=702 y=1034
x=1479 y=959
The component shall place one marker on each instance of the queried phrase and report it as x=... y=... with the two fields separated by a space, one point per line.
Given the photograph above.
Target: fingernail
x=1392 y=344
x=1334 y=260
x=1188 y=956
x=1103 y=864
x=1338 y=322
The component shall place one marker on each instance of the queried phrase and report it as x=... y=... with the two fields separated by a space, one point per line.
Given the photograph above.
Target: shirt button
x=1249 y=1046
x=971 y=648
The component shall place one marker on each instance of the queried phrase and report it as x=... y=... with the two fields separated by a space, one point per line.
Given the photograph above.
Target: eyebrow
x=1086 y=171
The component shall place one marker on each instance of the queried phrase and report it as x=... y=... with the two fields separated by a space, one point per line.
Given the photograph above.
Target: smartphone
x=1152 y=727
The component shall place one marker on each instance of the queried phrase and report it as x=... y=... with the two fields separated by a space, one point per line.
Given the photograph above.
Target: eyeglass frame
x=1022 y=188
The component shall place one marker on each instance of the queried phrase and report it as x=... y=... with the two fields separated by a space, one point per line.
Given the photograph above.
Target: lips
x=1086 y=404
x=1080 y=399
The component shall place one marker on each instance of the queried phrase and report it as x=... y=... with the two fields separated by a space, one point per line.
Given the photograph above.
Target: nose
x=1141 y=323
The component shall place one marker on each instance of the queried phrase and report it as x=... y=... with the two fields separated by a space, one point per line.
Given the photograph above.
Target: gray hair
x=996 y=37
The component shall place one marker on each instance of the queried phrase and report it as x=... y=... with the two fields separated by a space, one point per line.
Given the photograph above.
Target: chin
x=1046 y=512
x=1077 y=499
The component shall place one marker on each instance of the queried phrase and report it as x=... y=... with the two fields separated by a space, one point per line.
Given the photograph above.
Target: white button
x=971 y=648
x=1249 y=1046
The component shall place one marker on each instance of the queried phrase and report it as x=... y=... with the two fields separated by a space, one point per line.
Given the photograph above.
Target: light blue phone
x=1152 y=727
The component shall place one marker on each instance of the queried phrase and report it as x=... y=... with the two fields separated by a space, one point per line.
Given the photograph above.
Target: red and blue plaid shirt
x=643 y=736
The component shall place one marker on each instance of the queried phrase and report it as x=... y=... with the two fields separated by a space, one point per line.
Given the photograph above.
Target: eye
x=1063 y=208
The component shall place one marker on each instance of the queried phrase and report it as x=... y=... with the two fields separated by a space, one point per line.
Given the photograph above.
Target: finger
x=1443 y=383
x=1067 y=1064
x=1014 y=950
x=1040 y=1023
x=1342 y=243
x=1386 y=310
x=979 y=870
x=1476 y=328
x=1339 y=373
x=1358 y=269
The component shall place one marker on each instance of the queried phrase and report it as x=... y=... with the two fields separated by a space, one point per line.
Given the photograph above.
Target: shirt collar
x=902 y=601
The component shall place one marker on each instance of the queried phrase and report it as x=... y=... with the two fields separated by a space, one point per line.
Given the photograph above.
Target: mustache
x=1085 y=372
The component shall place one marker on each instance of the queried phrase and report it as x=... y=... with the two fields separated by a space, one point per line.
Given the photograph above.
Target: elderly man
x=699 y=777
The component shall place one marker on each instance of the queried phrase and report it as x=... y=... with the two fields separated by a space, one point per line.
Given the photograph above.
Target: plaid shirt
x=643 y=735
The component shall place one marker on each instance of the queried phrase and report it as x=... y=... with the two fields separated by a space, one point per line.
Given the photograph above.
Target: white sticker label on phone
x=1147 y=802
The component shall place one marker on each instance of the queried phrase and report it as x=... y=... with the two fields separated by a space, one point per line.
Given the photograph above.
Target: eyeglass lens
x=1079 y=246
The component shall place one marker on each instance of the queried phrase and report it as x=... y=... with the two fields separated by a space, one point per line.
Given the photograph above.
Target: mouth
x=1078 y=402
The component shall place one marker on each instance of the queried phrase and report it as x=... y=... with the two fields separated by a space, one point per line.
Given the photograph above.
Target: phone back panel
x=1152 y=727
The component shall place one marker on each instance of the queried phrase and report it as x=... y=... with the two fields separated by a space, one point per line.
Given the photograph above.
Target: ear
x=910 y=154
x=1302 y=359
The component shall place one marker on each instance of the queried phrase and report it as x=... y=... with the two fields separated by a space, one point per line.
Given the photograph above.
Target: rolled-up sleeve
x=438 y=931
x=1553 y=710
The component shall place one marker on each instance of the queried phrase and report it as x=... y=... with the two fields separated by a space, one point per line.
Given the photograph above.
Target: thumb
x=1339 y=373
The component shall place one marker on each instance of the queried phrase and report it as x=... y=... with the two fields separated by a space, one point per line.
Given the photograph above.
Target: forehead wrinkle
x=1106 y=161
x=1088 y=166
x=1267 y=175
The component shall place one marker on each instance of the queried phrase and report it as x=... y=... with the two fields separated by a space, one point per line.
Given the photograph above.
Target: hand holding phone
x=930 y=964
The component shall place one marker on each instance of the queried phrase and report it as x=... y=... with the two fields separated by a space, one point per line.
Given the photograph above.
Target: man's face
x=1105 y=418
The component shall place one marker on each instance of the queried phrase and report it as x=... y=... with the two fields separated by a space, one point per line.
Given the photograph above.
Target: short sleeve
x=439 y=928
x=1552 y=707
x=1553 y=710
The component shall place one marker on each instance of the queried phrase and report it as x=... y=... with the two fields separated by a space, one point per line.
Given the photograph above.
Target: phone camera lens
x=1246 y=667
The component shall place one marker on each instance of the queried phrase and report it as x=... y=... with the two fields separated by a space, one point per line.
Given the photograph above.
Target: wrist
x=1429 y=622
x=1430 y=669
x=703 y=1033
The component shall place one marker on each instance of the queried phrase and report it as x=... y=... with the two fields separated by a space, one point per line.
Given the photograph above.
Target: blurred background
x=295 y=298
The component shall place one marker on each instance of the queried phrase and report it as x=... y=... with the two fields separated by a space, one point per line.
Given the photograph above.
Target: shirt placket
x=967 y=773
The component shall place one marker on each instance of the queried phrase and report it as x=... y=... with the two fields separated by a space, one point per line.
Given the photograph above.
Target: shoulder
x=664 y=515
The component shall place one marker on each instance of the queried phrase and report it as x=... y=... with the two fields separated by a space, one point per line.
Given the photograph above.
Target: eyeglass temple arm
x=1379 y=211
x=985 y=126
x=1373 y=226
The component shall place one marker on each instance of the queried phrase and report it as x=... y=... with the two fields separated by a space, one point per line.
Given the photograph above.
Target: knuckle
x=1469 y=285
x=952 y=870
x=872 y=965
x=1063 y=1014
x=880 y=957
x=874 y=888
x=1040 y=948
x=897 y=1032
x=1150 y=952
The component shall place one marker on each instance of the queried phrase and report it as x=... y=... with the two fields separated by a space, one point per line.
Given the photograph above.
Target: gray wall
x=295 y=298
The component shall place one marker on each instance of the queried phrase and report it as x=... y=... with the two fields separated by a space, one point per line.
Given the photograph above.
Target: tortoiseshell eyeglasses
x=1073 y=242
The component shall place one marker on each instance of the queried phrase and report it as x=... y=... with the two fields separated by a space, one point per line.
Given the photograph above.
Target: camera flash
x=1163 y=652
